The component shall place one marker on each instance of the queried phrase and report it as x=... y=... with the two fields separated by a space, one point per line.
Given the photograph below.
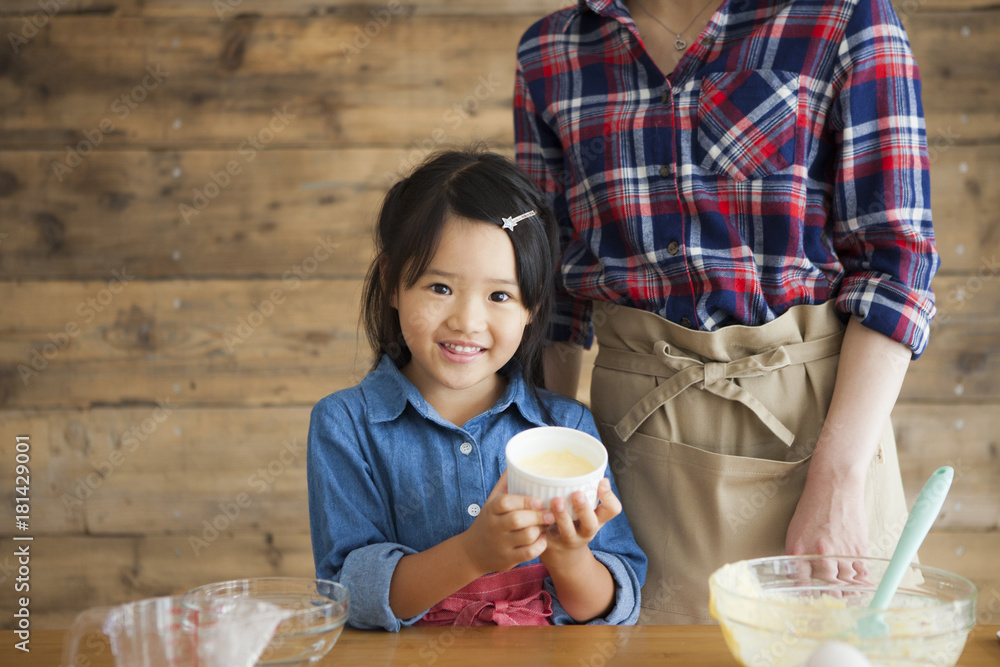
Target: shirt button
x=685 y=322
x=673 y=247
x=665 y=97
x=466 y=448
x=473 y=509
x=666 y=171
x=707 y=40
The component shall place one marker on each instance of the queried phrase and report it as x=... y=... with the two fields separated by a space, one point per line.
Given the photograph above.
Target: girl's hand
x=568 y=541
x=508 y=531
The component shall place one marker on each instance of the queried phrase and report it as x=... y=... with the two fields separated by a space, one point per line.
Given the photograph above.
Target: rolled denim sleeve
x=367 y=573
x=627 y=586
x=350 y=526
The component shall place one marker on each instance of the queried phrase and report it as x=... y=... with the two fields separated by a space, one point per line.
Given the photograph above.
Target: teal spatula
x=925 y=511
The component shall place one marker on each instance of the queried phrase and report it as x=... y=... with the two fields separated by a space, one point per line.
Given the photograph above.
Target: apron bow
x=511 y=597
x=530 y=611
x=713 y=376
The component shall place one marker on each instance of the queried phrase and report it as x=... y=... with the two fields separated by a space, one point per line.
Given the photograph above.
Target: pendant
x=680 y=44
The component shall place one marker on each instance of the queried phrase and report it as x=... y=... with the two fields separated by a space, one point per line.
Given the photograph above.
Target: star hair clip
x=511 y=223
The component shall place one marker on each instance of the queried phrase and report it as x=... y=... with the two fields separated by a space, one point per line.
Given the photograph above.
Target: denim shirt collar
x=387 y=391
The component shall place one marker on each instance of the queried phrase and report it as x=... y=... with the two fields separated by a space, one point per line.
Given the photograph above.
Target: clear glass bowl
x=777 y=611
x=318 y=610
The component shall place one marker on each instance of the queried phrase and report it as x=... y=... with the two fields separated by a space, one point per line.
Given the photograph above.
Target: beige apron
x=709 y=436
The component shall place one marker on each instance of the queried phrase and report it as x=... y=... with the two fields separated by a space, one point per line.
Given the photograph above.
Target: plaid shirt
x=783 y=162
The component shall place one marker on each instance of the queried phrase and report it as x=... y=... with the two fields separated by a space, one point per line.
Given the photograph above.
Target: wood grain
x=267 y=342
x=229 y=9
x=179 y=469
x=114 y=296
x=160 y=499
x=170 y=83
x=280 y=212
x=174 y=82
x=965 y=438
x=280 y=342
x=311 y=8
x=165 y=210
x=687 y=646
x=71 y=573
x=122 y=568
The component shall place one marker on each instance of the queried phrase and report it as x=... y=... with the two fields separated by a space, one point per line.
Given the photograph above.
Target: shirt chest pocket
x=747 y=123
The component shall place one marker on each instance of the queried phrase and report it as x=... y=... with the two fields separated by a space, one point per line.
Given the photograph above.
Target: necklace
x=679 y=43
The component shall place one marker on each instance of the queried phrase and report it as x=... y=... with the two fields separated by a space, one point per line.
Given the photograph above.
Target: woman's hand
x=509 y=530
x=830 y=520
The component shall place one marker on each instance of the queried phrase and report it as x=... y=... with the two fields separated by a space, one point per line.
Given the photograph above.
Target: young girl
x=408 y=499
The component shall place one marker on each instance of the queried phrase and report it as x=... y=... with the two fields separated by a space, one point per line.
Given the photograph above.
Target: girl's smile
x=461 y=353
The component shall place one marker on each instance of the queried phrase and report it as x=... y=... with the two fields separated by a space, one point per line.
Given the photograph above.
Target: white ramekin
x=555 y=438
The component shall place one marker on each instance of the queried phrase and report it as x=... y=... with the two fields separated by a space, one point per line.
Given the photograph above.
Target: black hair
x=473 y=184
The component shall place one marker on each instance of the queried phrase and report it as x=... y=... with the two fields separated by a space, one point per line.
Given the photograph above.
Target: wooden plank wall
x=186 y=194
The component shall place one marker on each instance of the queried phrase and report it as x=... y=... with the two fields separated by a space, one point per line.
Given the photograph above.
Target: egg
x=837 y=654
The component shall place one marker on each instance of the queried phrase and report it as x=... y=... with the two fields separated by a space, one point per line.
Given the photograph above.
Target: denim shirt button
x=473 y=509
x=466 y=448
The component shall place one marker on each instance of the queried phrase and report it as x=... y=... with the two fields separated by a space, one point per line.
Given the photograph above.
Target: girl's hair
x=473 y=184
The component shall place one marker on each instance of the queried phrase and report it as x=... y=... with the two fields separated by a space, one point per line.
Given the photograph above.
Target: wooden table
x=690 y=646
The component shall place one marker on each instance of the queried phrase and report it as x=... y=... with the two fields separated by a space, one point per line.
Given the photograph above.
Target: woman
x=745 y=216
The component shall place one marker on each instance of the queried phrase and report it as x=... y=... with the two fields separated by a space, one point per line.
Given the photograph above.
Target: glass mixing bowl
x=774 y=612
x=318 y=611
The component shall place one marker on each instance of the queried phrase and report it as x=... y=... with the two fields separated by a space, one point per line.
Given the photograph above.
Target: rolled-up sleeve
x=348 y=520
x=882 y=229
x=367 y=573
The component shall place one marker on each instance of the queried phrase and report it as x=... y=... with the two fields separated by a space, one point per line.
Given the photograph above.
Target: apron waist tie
x=713 y=376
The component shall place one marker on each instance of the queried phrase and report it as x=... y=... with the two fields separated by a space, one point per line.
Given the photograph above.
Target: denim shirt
x=388 y=476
